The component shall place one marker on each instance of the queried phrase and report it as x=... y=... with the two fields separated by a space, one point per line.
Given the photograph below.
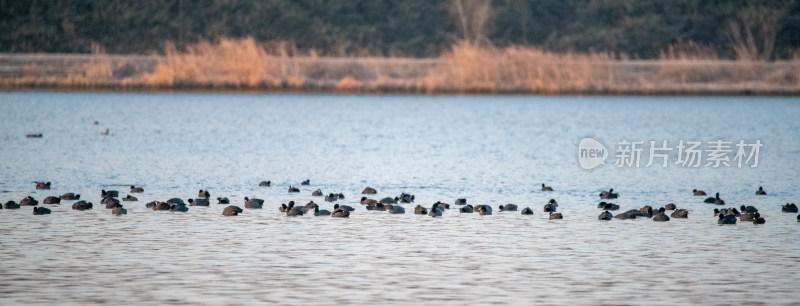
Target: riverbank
x=242 y=65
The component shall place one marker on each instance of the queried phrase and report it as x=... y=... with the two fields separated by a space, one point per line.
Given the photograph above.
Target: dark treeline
x=419 y=28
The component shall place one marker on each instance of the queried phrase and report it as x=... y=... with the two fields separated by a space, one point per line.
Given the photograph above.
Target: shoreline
x=410 y=76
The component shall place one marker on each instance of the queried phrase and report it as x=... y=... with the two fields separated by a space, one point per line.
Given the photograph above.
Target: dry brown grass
x=684 y=68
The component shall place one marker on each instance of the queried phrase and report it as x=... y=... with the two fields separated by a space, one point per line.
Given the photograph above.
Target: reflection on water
x=491 y=150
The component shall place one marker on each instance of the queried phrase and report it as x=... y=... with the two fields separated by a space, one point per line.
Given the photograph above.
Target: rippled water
x=490 y=150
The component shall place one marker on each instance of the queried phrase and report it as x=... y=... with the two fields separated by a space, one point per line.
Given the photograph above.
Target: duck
x=508 y=207
x=178 y=208
x=759 y=219
x=761 y=191
x=310 y=205
x=331 y=198
x=388 y=200
x=419 y=210
x=631 y=214
x=223 y=200
x=747 y=216
x=405 y=198
x=483 y=210
x=265 y=183
x=727 y=211
x=41 y=211
x=551 y=206
x=369 y=190
x=435 y=211
x=789 y=208
x=546 y=188
x=345 y=207
x=340 y=213
x=231 y=210
x=109 y=202
x=37 y=135
x=110 y=193
x=306 y=182
x=646 y=211
x=320 y=212
x=42 y=185
x=714 y=200
x=82 y=205
x=527 y=211
x=698 y=192
x=203 y=194
x=130 y=198
x=607 y=206
x=294 y=211
x=670 y=206
x=609 y=194
x=256 y=203
x=11 y=205
x=605 y=216
x=69 y=196
x=661 y=216
x=316 y=193
x=366 y=201
x=461 y=201
x=467 y=209
x=284 y=208
x=376 y=206
x=680 y=213
x=164 y=206
x=749 y=209
x=556 y=216
x=199 y=202
x=51 y=200
x=28 y=201
x=175 y=201
x=135 y=189
x=396 y=209
x=119 y=210
x=293 y=189
x=726 y=219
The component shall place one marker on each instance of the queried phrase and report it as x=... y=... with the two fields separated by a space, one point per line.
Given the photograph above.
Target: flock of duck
x=392 y=205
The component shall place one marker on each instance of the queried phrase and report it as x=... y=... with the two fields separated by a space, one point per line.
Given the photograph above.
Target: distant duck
x=789 y=208
x=310 y=205
x=119 y=210
x=761 y=191
x=726 y=219
x=661 y=217
x=199 y=202
x=256 y=203
x=388 y=200
x=106 y=132
x=605 y=216
x=109 y=202
x=631 y=214
x=110 y=193
x=284 y=208
x=551 y=206
x=316 y=193
x=527 y=211
x=319 y=212
x=265 y=183
x=369 y=190
x=546 y=188
x=556 y=216
x=435 y=211
x=163 y=206
x=419 y=210
x=466 y=209
x=135 y=189
x=231 y=210
x=331 y=198
x=41 y=211
x=749 y=209
x=747 y=216
x=759 y=219
x=670 y=206
x=295 y=211
x=39 y=135
x=28 y=201
x=82 y=205
x=646 y=211
x=405 y=198
x=11 y=205
x=306 y=182
x=179 y=208
x=203 y=194
x=175 y=201
x=42 y=185
x=698 y=192
x=607 y=206
x=609 y=194
x=345 y=207
x=293 y=189
x=727 y=211
x=714 y=200
x=483 y=210
x=223 y=200
x=443 y=206
x=508 y=207
x=130 y=198
x=69 y=196
x=51 y=200
x=377 y=206
x=340 y=213
x=680 y=213
x=366 y=201
x=461 y=202
x=396 y=209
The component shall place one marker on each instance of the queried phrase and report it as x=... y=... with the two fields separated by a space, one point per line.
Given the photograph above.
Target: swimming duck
x=293 y=189
x=670 y=206
x=203 y=194
x=551 y=206
x=179 y=207
x=546 y=188
x=69 y=196
x=265 y=183
x=483 y=210
x=135 y=189
x=609 y=194
x=223 y=200
x=419 y=210
x=607 y=206
x=199 y=202
x=256 y=203
x=82 y=205
x=396 y=209
x=467 y=209
x=698 y=192
x=316 y=193
x=661 y=217
x=726 y=219
x=605 y=216
x=508 y=207
x=680 y=213
x=231 y=210
x=761 y=191
x=319 y=212
x=42 y=185
x=28 y=201
x=714 y=200
x=461 y=201
x=527 y=211
x=345 y=207
x=749 y=209
x=435 y=211
x=369 y=190
x=556 y=216
x=130 y=198
x=366 y=201
x=41 y=211
x=51 y=200
x=306 y=182
x=119 y=210
x=340 y=213
x=110 y=193
x=789 y=208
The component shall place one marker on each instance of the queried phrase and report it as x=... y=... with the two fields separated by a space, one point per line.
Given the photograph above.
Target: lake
x=490 y=150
